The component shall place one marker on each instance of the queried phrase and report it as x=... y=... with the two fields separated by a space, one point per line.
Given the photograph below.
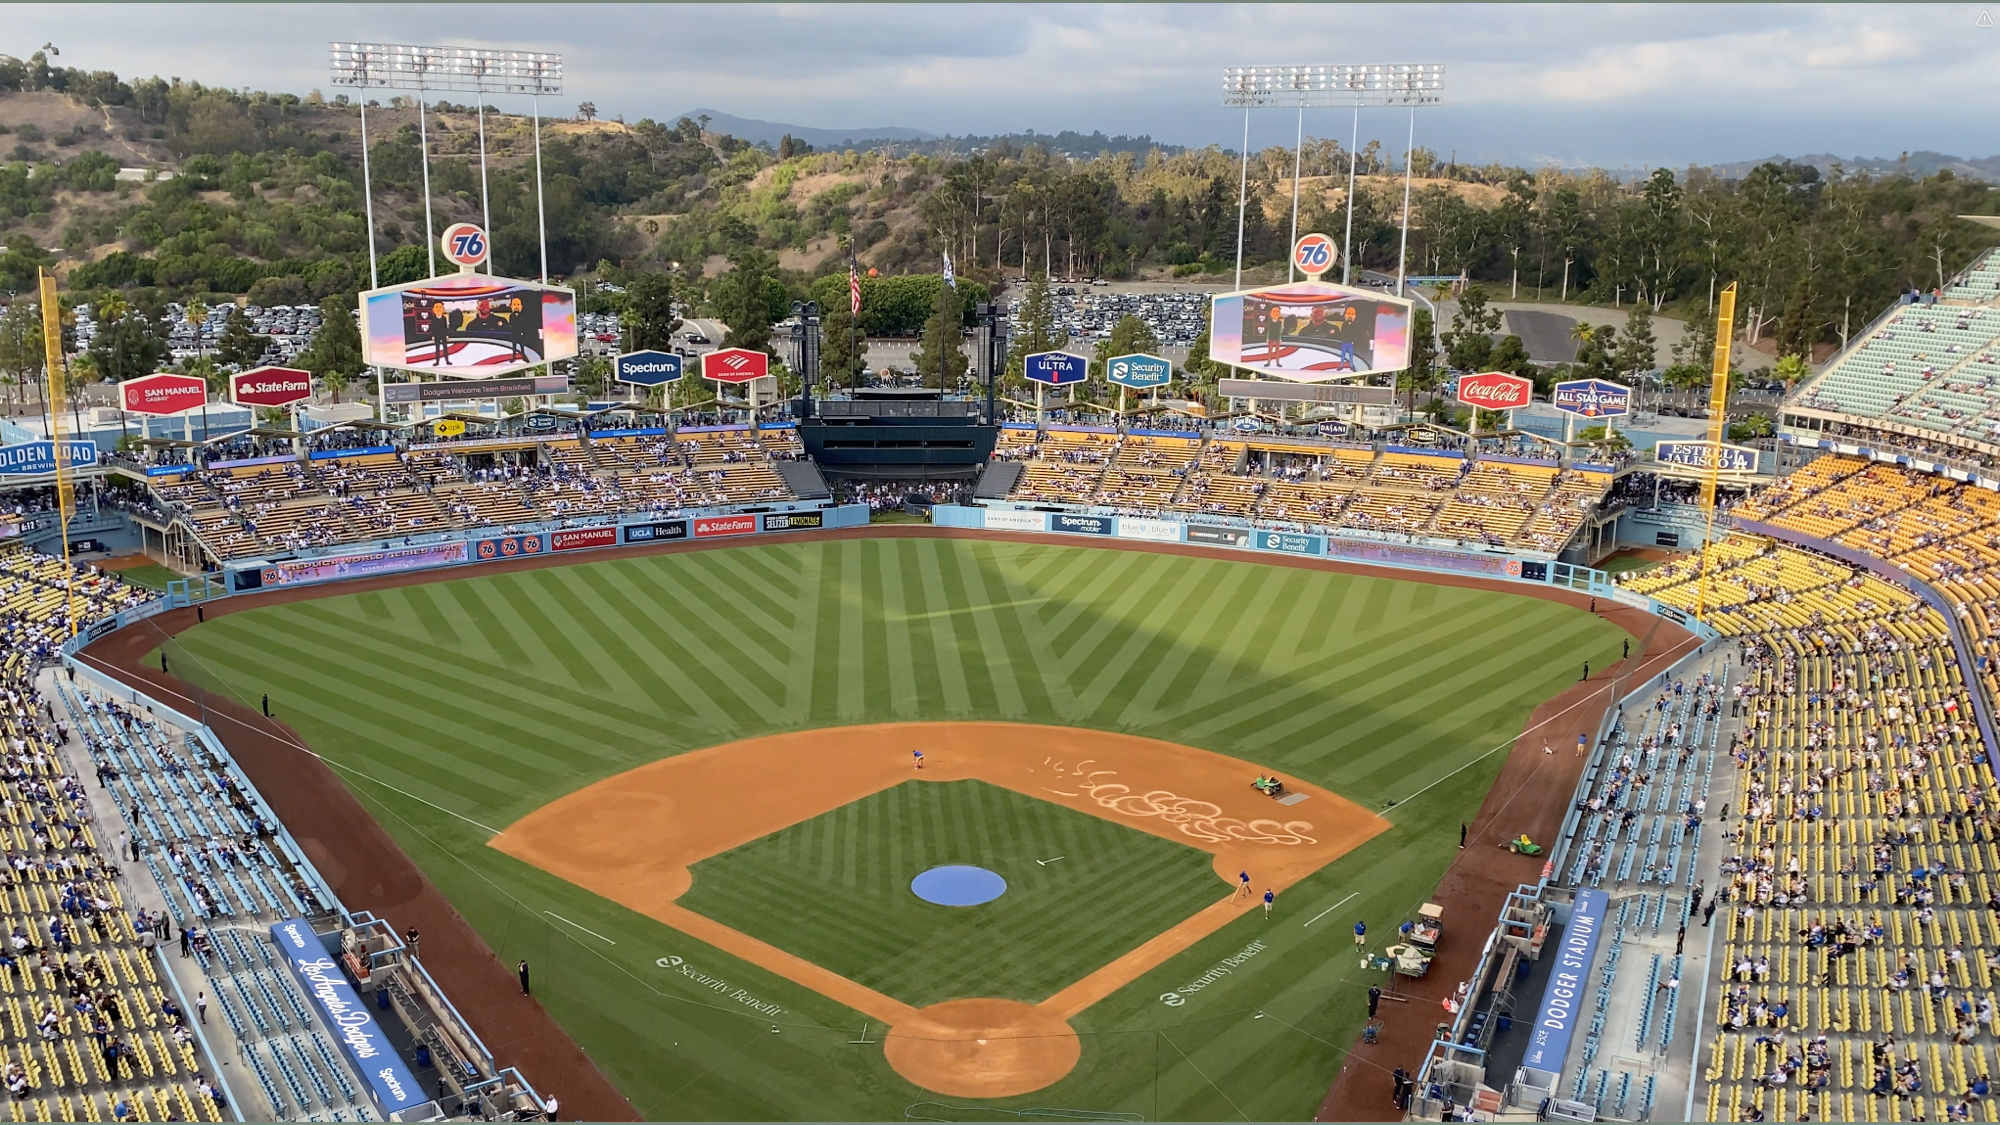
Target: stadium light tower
x=1352 y=85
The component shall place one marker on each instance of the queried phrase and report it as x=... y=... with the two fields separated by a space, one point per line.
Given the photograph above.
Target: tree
x=1791 y=368
x=1798 y=327
x=649 y=319
x=1636 y=345
x=21 y=356
x=1036 y=330
x=238 y=346
x=1751 y=428
x=128 y=345
x=1421 y=375
x=942 y=350
x=334 y=355
x=587 y=111
x=843 y=352
x=1511 y=355
x=1469 y=344
x=1128 y=336
x=741 y=300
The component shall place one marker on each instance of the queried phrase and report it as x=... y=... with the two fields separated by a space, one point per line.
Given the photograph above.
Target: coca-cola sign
x=1495 y=390
x=270 y=386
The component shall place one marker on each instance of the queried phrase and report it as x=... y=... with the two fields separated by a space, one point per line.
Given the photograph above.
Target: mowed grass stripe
x=709 y=639
x=991 y=660
x=943 y=599
x=1172 y=598
x=1121 y=622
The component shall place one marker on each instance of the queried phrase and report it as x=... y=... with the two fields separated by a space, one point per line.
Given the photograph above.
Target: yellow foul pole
x=52 y=352
x=1718 y=401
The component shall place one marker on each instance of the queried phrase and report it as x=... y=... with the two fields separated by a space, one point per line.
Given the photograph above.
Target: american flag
x=950 y=278
x=853 y=285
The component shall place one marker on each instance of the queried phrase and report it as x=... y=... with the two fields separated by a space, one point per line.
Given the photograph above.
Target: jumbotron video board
x=467 y=325
x=1310 y=331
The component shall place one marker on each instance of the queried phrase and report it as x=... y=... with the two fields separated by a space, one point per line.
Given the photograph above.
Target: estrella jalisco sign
x=1699 y=454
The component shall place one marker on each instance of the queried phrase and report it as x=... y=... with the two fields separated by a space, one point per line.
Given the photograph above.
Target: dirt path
x=369 y=872
x=970 y=1047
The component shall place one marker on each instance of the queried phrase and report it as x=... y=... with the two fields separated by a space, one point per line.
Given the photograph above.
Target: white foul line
x=585 y=929
x=1046 y=862
x=1329 y=910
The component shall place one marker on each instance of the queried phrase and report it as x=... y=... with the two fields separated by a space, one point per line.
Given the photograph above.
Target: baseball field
x=684 y=787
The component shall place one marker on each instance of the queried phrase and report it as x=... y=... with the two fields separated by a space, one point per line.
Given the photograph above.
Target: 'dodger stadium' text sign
x=467 y=325
x=1310 y=331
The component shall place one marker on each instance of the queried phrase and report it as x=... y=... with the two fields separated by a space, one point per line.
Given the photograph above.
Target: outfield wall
x=1499 y=565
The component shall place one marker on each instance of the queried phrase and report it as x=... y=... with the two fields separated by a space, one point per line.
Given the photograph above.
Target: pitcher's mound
x=983 y=1048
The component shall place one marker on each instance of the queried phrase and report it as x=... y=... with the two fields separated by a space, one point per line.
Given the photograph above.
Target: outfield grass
x=836 y=891
x=153 y=576
x=456 y=707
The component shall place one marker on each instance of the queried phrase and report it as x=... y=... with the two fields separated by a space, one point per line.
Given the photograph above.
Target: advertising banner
x=1310 y=331
x=1495 y=390
x=735 y=365
x=1569 y=979
x=1153 y=531
x=577 y=539
x=1139 y=371
x=471 y=325
x=31 y=458
x=1014 y=519
x=1392 y=554
x=660 y=532
x=647 y=368
x=1592 y=398
x=711 y=526
x=270 y=386
x=162 y=394
x=1289 y=542
x=508 y=547
x=448 y=427
x=1698 y=454
x=1081 y=525
x=458 y=390
x=348 y=1019
x=358 y=566
x=1219 y=536
x=793 y=521
x=1056 y=369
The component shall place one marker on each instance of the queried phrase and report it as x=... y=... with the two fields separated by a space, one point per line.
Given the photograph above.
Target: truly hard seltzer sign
x=719 y=986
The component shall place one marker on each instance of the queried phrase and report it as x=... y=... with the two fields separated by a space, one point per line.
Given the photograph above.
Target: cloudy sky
x=1631 y=85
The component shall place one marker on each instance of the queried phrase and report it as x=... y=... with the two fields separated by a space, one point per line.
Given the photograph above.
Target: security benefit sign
x=647 y=368
x=1139 y=371
x=1569 y=978
x=1700 y=454
x=367 y=1046
x=467 y=325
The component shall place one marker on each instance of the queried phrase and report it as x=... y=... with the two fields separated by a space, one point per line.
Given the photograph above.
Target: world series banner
x=468 y=325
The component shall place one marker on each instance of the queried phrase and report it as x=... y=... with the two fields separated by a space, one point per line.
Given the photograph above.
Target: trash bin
x=382 y=999
x=423 y=1056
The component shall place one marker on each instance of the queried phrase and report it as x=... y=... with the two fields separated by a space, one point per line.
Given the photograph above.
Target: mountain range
x=759 y=132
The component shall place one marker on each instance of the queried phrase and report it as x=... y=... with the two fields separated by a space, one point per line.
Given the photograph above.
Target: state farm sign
x=162 y=394
x=270 y=386
x=735 y=365
x=1495 y=390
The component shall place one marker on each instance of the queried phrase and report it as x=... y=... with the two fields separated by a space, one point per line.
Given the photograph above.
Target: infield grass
x=1055 y=924
x=455 y=707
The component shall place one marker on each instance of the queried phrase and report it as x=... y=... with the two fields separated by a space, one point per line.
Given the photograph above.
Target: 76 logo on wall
x=465 y=244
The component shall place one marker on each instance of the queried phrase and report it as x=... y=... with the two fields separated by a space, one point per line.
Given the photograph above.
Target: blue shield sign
x=1057 y=369
x=1592 y=398
x=1139 y=371
x=1698 y=455
x=647 y=368
x=32 y=458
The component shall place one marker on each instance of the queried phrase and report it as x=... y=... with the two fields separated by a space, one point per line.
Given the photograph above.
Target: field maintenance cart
x=1428 y=928
x=1408 y=960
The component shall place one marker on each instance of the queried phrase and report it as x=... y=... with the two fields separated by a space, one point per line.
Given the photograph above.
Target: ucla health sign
x=648 y=368
x=1592 y=398
x=1139 y=371
x=367 y=1046
x=32 y=458
x=1562 y=1001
